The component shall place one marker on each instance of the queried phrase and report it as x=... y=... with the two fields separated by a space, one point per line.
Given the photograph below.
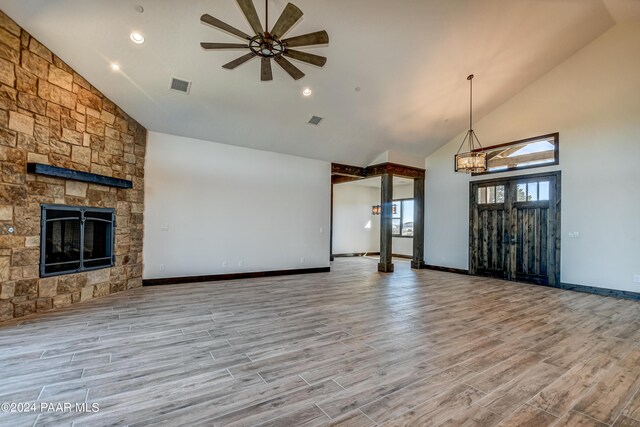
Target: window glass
x=488 y=195
x=544 y=190
x=491 y=194
x=402 y=222
x=521 y=193
x=396 y=209
x=525 y=192
x=395 y=229
x=532 y=192
x=540 y=151
x=482 y=195
x=407 y=218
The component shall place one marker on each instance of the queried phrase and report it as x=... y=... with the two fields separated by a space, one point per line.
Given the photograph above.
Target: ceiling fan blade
x=237 y=62
x=210 y=46
x=289 y=17
x=320 y=37
x=266 y=74
x=289 y=68
x=215 y=22
x=306 y=57
x=249 y=11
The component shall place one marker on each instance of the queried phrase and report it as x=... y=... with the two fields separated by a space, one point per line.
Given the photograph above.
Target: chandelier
x=474 y=160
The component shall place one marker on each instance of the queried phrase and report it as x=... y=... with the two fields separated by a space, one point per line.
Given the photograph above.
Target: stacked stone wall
x=50 y=114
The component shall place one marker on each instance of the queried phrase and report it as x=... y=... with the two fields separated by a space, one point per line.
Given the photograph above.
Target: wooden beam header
x=395 y=169
x=356 y=172
x=346 y=170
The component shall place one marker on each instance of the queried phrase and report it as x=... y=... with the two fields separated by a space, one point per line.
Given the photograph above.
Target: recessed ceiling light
x=136 y=37
x=115 y=67
x=307 y=92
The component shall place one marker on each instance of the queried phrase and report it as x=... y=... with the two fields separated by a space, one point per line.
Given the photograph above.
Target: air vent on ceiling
x=180 y=85
x=315 y=120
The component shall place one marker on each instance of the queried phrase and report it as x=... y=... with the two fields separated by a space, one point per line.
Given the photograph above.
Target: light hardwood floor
x=351 y=347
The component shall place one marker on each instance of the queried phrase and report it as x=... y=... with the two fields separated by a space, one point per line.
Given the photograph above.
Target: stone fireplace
x=50 y=115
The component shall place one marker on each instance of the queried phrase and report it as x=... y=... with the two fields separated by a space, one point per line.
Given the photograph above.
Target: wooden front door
x=515 y=228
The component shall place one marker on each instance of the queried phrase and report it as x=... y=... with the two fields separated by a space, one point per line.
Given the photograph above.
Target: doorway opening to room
x=357 y=218
x=386 y=201
x=514 y=228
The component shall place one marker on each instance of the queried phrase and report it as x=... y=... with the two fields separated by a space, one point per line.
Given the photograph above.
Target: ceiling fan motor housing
x=266 y=46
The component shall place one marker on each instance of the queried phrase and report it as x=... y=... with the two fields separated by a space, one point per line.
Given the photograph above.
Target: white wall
x=593 y=100
x=214 y=209
x=399 y=157
x=355 y=229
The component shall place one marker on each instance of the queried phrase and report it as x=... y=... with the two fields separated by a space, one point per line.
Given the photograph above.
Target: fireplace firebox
x=75 y=239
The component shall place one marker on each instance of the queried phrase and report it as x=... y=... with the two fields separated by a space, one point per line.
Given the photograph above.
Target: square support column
x=386 y=224
x=418 y=224
x=331 y=257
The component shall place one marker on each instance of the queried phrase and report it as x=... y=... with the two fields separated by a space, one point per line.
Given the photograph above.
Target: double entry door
x=514 y=231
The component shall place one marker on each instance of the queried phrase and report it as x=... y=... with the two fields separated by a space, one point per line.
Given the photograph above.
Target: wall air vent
x=180 y=85
x=315 y=120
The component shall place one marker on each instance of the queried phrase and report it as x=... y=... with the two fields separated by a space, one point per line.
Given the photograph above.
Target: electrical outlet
x=636 y=278
x=162 y=267
x=240 y=263
x=224 y=264
x=302 y=260
x=164 y=227
x=321 y=230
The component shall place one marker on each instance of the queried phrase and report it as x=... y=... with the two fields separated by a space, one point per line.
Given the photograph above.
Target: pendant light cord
x=471 y=135
x=470 y=78
x=266 y=20
x=471 y=102
x=473 y=160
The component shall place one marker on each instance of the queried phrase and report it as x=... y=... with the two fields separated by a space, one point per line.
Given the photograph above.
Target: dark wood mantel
x=58 y=172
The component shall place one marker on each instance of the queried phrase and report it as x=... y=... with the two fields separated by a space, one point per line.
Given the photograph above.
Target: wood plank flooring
x=352 y=348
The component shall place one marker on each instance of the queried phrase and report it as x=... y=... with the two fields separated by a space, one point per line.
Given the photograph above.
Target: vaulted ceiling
x=408 y=59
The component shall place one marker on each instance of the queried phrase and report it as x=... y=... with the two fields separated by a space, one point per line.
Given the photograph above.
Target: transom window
x=402 y=225
x=524 y=154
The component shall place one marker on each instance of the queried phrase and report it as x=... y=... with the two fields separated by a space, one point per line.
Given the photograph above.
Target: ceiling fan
x=267 y=44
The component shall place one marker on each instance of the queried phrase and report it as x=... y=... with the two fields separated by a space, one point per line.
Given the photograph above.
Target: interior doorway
x=387 y=173
x=356 y=221
x=514 y=230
